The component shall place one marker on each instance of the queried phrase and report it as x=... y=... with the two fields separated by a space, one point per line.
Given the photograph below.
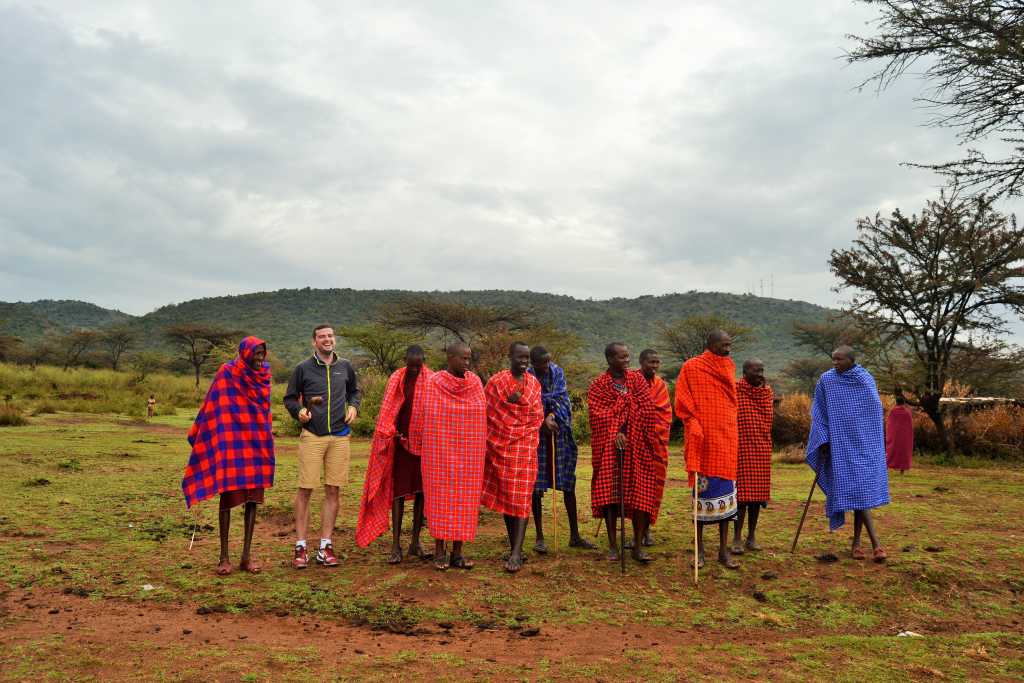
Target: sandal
x=441 y=563
x=460 y=562
x=880 y=555
x=736 y=549
x=395 y=557
x=250 y=566
x=857 y=553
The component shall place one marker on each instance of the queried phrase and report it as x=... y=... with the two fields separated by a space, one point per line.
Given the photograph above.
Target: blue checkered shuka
x=555 y=396
x=847 y=415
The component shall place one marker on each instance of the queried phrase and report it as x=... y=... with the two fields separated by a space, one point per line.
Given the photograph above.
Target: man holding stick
x=622 y=418
x=514 y=417
x=323 y=395
x=556 y=429
x=846 y=448
x=706 y=403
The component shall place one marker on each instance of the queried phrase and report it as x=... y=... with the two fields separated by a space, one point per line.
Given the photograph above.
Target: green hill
x=285 y=317
x=30 y=320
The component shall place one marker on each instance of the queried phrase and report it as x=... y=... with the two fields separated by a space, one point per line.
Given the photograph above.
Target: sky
x=156 y=152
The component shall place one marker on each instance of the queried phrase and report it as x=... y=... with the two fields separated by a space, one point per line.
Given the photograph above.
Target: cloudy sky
x=154 y=152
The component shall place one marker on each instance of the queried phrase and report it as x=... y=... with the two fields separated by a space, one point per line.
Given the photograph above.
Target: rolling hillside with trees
x=285 y=317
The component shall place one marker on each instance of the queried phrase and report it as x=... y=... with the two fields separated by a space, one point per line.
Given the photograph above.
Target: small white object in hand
x=908 y=634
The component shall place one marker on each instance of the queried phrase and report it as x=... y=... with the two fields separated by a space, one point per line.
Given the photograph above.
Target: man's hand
x=550 y=423
x=350 y=414
x=514 y=397
x=305 y=416
x=620 y=441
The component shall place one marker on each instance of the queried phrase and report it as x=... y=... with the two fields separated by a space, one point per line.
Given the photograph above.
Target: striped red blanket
x=754 y=467
x=513 y=432
x=614 y=407
x=375 y=507
x=452 y=445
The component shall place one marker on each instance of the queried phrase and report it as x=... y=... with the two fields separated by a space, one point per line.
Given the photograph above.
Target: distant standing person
x=514 y=416
x=393 y=471
x=755 y=402
x=232 y=443
x=453 y=445
x=706 y=403
x=899 y=436
x=650 y=364
x=151 y=406
x=846 y=447
x=323 y=395
x=557 y=429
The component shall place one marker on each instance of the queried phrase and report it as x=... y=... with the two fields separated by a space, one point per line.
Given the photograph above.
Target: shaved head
x=715 y=336
x=751 y=362
x=457 y=348
x=846 y=352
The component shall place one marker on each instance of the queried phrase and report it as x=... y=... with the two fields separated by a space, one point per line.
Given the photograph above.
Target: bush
x=12 y=417
x=792 y=421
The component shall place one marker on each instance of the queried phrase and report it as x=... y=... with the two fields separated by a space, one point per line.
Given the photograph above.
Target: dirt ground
x=97 y=583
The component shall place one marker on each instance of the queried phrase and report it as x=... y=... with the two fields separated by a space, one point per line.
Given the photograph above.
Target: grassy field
x=98 y=583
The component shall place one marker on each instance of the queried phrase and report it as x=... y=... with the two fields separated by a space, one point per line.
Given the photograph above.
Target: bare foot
x=248 y=565
x=396 y=555
x=224 y=568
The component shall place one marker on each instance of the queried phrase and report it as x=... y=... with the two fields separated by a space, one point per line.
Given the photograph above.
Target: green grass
x=110 y=519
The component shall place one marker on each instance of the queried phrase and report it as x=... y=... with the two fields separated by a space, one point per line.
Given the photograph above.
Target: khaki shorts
x=329 y=454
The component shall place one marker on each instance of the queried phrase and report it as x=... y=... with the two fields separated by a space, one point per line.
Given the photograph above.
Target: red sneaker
x=325 y=556
x=300 y=561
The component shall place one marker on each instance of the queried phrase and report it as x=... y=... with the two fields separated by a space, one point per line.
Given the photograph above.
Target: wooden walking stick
x=806 y=505
x=696 y=569
x=620 y=456
x=554 y=487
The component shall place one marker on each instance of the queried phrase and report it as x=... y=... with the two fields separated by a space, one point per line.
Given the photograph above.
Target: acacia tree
x=973 y=56
x=385 y=346
x=683 y=339
x=462 y=321
x=115 y=341
x=926 y=283
x=197 y=342
x=76 y=344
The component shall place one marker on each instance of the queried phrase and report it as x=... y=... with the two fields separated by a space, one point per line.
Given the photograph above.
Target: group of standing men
x=451 y=444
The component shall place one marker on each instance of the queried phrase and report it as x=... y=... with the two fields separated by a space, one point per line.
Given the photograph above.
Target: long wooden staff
x=554 y=487
x=696 y=569
x=806 y=505
x=621 y=456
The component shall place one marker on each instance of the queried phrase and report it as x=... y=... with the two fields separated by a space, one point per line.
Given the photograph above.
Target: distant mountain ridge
x=285 y=317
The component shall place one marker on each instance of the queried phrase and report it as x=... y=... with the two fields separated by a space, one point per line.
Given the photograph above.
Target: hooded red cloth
x=754 y=416
x=706 y=403
x=232 y=437
x=378 y=489
x=899 y=438
x=513 y=433
x=611 y=411
x=452 y=445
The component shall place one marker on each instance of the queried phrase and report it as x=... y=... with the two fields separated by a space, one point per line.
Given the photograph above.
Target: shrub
x=792 y=421
x=11 y=417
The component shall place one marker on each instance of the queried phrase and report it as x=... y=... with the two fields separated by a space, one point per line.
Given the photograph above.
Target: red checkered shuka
x=609 y=410
x=232 y=437
x=754 y=418
x=453 y=447
x=378 y=489
x=662 y=426
x=706 y=403
x=513 y=434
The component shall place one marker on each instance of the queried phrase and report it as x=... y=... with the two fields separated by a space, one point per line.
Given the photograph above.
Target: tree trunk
x=930 y=405
x=197 y=367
